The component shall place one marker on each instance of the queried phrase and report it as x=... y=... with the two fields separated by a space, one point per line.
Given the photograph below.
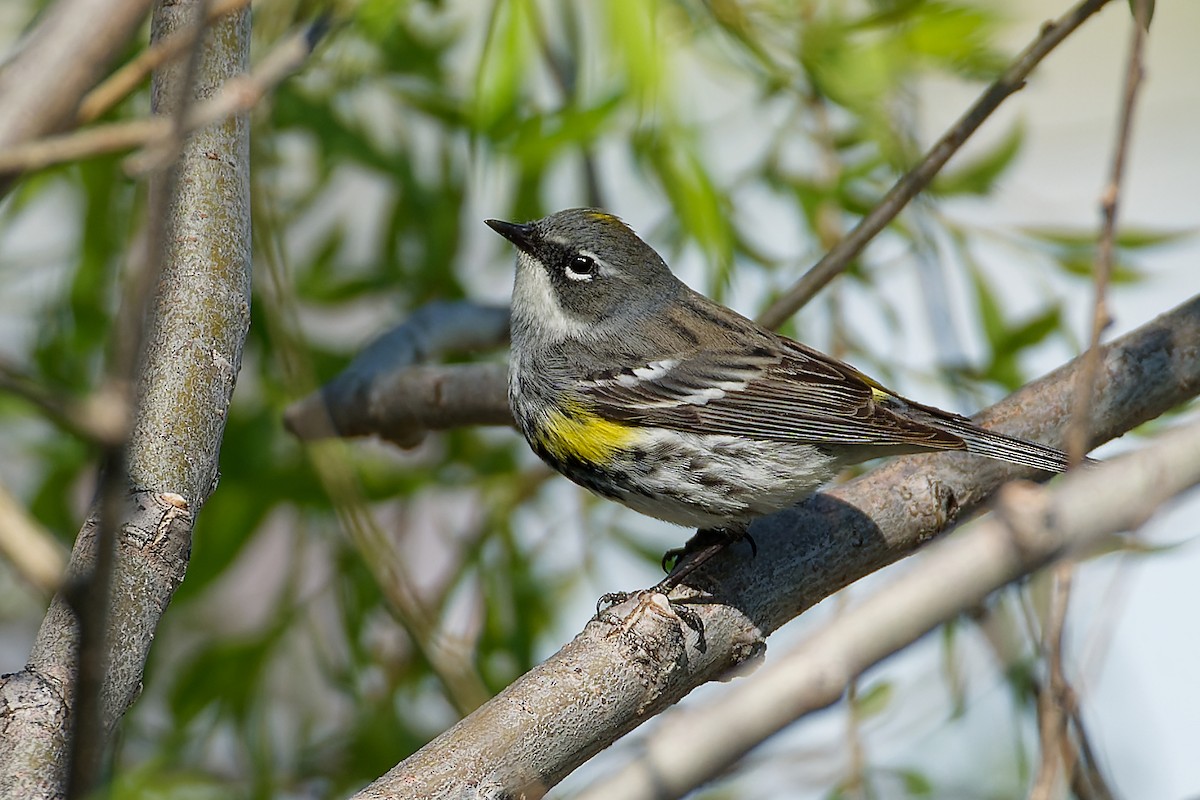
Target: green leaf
x=873 y=700
x=157 y=779
x=541 y=138
x=952 y=668
x=978 y=176
x=1031 y=332
x=1084 y=266
x=1133 y=9
x=955 y=38
x=990 y=315
x=638 y=44
x=502 y=69
x=915 y=783
x=699 y=206
x=1128 y=237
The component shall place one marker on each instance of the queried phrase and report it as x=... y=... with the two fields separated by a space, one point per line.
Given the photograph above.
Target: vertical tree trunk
x=198 y=316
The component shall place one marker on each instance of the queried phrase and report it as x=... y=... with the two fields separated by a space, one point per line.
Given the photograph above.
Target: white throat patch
x=534 y=300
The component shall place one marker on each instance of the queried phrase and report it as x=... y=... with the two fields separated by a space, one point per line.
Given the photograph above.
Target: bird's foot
x=648 y=601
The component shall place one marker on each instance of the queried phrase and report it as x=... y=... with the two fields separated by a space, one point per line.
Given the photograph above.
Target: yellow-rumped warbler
x=644 y=391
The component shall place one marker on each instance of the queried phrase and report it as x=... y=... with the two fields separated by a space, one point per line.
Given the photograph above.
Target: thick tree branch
x=384 y=392
x=192 y=350
x=600 y=685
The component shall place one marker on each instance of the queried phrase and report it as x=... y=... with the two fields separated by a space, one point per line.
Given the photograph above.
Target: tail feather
x=1003 y=447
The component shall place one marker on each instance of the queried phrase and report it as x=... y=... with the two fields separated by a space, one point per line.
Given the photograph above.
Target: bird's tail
x=983 y=442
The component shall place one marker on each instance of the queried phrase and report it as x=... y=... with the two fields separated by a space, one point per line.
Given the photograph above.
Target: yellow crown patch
x=608 y=219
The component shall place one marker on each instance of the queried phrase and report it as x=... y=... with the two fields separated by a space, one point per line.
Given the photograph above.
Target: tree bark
x=197 y=322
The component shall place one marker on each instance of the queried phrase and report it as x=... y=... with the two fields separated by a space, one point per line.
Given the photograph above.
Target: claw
x=610 y=599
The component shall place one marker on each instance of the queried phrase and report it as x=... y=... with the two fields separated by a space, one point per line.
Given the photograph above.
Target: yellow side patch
x=583 y=436
x=880 y=394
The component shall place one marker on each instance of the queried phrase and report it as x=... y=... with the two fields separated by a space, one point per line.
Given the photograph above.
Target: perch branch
x=1030 y=527
x=600 y=686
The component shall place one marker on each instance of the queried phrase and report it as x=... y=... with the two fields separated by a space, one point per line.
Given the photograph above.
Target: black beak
x=522 y=235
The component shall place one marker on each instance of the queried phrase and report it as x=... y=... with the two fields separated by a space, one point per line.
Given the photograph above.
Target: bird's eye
x=581 y=266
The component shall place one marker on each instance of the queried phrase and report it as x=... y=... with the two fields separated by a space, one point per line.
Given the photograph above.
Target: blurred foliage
x=284 y=667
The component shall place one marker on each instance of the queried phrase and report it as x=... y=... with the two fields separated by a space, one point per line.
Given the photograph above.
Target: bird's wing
x=788 y=392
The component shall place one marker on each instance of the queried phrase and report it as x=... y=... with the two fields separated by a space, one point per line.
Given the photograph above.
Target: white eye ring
x=581 y=268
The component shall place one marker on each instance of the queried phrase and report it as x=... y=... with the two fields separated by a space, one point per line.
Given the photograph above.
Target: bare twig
x=102 y=418
x=599 y=686
x=239 y=94
x=1077 y=433
x=1058 y=706
x=840 y=256
x=1031 y=526
x=1052 y=701
x=29 y=547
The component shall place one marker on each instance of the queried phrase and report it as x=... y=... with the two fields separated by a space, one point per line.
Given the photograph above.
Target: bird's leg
x=705 y=544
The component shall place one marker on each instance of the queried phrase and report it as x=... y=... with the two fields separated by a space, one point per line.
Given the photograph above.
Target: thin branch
x=1031 y=526
x=102 y=418
x=239 y=94
x=42 y=83
x=1051 y=702
x=600 y=685
x=30 y=548
x=1077 y=433
x=1086 y=779
x=1058 y=706
x=844 y=252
